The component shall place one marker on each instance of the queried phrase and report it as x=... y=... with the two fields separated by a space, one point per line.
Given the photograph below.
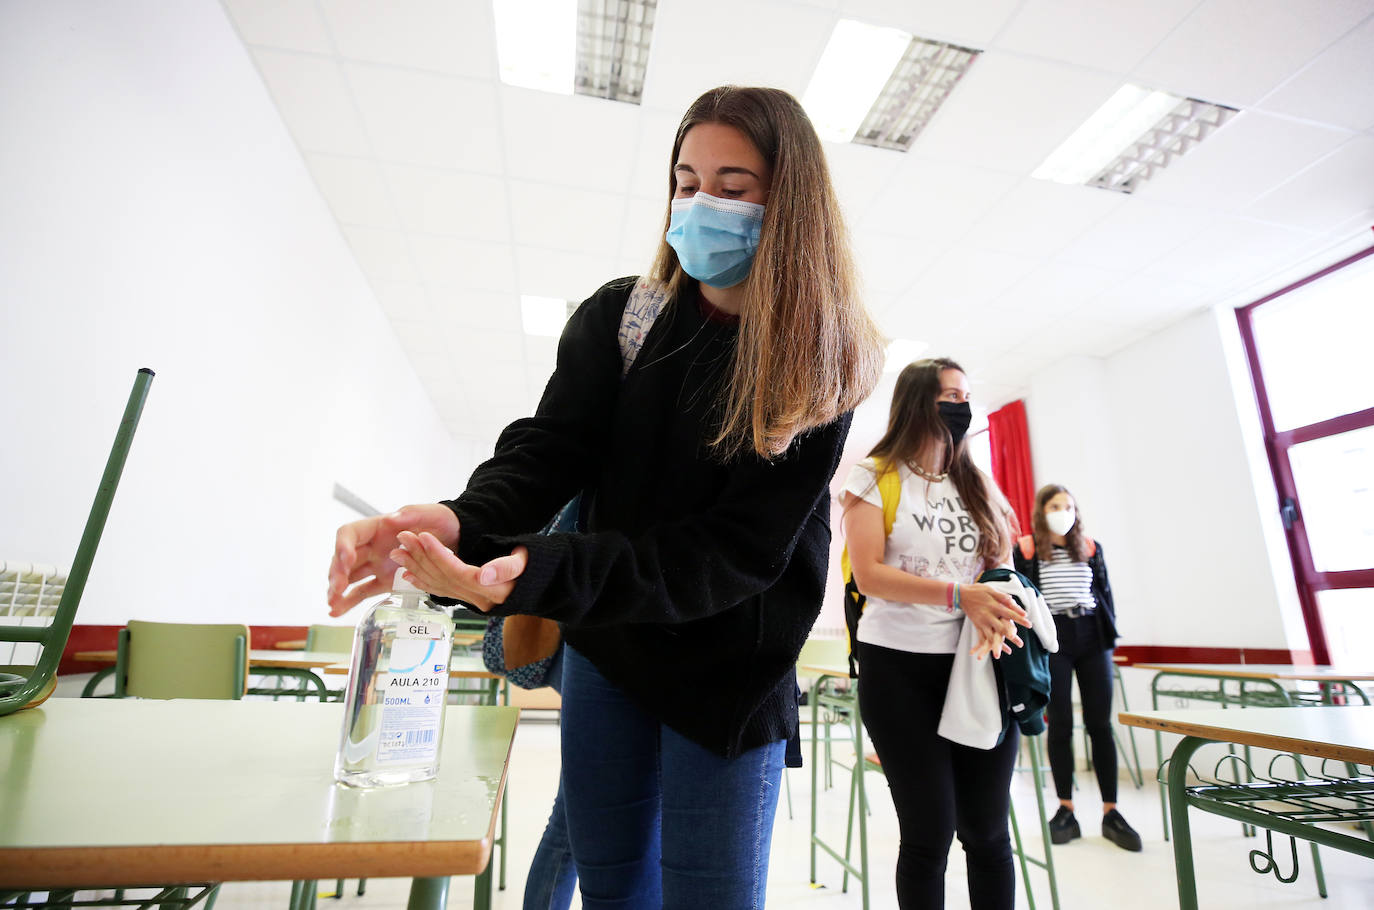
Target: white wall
x=156 y=213
x=1151 y=440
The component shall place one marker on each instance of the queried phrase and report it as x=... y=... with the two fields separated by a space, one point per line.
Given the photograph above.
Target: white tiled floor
x=1092 y=873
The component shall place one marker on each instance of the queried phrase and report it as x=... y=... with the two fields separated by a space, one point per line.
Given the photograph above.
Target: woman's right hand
x=361 y=551
x=995 y=615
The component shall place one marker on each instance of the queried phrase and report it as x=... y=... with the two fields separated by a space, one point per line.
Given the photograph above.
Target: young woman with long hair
x=1068 y=567
x=707 y=542
x=920 y=584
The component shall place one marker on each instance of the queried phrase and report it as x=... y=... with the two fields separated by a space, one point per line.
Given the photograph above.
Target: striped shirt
x=1066 y=583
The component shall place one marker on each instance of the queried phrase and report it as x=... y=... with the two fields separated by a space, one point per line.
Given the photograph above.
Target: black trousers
x=1081 y=654
x=939 y=788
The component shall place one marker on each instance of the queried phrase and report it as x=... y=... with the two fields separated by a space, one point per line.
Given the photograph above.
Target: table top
x=115 y=792
x=269 y=657
x=1264 y=671
x=1343 y=733
x=460 y=666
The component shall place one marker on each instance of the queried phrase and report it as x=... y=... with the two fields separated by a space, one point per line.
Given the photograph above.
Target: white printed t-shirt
x=933 y=536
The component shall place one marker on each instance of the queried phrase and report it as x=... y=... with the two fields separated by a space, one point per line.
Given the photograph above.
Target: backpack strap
x=890 y=489
x=646 y=302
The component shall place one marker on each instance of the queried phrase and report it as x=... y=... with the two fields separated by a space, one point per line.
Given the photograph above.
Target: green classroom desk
x=1343 y=734
x=126 y=792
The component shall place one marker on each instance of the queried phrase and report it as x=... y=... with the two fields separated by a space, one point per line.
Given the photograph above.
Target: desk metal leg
x=815 y=746
x=1178 y=810
x=432 y=893
x=96 y=679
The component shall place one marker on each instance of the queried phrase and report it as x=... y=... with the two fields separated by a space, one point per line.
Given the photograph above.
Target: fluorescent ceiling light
x=902 y=351
x=880 y=86
x=857 y=63
x=592 y=47
x=534 y=43
x=920 y=83
x=613 y=38
x=1136 y=134
x=543 y=315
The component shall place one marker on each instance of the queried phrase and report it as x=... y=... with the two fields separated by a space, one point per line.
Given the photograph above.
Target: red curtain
x=1011 y=459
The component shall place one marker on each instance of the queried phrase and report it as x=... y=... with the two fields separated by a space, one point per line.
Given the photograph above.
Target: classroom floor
x=1092 y=873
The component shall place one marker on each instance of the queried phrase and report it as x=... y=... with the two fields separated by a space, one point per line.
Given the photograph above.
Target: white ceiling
x=458 y=193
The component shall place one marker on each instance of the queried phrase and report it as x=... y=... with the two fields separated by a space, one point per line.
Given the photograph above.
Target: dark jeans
x=939 y=788
x=655 y=819
x=1081 y=653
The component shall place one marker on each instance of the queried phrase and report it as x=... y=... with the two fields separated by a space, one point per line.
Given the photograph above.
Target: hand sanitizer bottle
x=397 y=688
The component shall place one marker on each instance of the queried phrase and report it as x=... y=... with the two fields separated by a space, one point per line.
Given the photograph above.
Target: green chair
x=24 y=685
x=182 y=660
x=321 y=637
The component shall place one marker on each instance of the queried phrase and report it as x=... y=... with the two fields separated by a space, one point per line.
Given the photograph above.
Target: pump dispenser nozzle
x=399 y=585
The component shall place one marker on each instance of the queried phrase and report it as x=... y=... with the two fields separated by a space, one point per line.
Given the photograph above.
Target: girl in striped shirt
x=1067 y=566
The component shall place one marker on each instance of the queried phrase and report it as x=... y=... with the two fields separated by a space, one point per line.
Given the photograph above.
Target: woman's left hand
x=435 y=569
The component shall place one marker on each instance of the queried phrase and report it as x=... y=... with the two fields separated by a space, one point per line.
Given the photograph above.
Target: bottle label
x=413 y=702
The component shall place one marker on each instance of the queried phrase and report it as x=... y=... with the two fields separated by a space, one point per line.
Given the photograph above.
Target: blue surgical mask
x=715 y=239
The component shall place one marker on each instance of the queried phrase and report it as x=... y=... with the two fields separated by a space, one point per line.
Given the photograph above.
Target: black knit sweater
x=697 y=581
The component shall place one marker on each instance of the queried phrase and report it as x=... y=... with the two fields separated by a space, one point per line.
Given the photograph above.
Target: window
x=1307 y=346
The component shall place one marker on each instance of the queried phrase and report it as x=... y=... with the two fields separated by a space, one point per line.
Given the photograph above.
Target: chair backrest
x=825 y=652
x=321 y=637
x=182 y=660
x=29 y=594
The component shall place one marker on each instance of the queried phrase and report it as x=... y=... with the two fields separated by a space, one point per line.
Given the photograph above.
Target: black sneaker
x=1115 y=829
x=1064 y=827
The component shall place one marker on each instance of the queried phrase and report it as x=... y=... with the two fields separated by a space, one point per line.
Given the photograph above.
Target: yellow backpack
x=890 y=490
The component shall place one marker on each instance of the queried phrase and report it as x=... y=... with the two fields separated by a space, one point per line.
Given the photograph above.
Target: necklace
x=933 y=478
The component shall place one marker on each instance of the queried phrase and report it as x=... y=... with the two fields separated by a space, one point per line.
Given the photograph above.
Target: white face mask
x=1060 y=522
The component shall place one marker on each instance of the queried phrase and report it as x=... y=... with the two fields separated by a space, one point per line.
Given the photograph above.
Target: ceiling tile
x=1234 y=52
x=651 y=170
x=284 y=24
x=419 y=337
x=643 y=231
x=570 y=276
x=1334 y=88
x=354 y=189
x=1232 y=252
x=937 y=200
x=437 y=35
x=888 y=264
x=1057 y=288
x=313 y=98
x=956 y=289
x=566 y=218
x=1134 y=235
x=707 y=43
x=383 y=255
x=1108 y=36
x=1009 y=112
x=1224 y=173
x=452 y=203
x=453 y=262
x=971 y=22
x=576 y=141
x=403 y=301
x=1328 y=193
x=1038 y=217
x=429 y=120
x=860 y=173
x=462 y=309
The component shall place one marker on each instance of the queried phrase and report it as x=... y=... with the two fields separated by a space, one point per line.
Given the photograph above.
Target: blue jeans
x=656 y=820
x=552 y=876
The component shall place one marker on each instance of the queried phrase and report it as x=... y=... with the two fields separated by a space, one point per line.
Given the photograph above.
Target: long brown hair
x=808 y=349
x=1076 y=542
x=912 y=422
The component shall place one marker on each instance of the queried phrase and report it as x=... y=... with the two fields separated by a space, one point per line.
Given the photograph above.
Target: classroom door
x=1314 y=382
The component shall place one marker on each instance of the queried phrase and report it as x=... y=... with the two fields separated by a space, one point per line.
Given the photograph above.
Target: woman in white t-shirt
x=920 y=584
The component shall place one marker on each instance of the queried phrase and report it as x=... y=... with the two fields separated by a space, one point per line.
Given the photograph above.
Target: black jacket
x=696 y=582
x=1105 y=611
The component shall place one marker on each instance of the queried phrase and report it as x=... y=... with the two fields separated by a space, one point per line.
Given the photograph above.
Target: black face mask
x=956 y=417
